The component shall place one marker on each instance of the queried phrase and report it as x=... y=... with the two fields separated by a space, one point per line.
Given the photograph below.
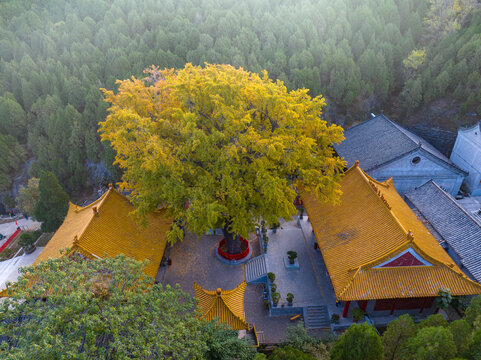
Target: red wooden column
x=364 y=306
x=423 y=306
x=393 y=306
x=346 y=309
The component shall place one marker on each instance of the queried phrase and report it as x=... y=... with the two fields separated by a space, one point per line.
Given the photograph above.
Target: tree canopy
x=221 y=146
x=52 y=205
x=358 y=342
x=71 y=308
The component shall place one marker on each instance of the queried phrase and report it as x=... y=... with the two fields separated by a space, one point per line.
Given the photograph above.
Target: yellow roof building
x=226 y=305
x=104 y=228
x=375 y=247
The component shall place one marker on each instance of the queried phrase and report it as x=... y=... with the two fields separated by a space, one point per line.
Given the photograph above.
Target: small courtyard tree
x=221 y=146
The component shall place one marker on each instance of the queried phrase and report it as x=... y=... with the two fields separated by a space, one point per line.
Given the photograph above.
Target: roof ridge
x=220 y=298
x=402 y=130
x=453 y=200
x=411 y=239
x=462 y=275
x=93 y=215
x=385 y=204
x=80 y=208
x=349 y=283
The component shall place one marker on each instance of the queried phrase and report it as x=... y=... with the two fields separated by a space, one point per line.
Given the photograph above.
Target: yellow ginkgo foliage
x=221 y=147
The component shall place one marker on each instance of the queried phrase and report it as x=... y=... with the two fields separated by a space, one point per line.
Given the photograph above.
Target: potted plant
x=292 y=255
x=273 y=288
x=266 y=240
x=274 y=227
x=27 y=241
x=290 y=299
x=335 y=318
x=275 y=298
x=271 y=276
x=357 y=314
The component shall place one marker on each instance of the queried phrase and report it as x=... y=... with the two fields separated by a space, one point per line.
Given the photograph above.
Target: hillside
x=55 y=55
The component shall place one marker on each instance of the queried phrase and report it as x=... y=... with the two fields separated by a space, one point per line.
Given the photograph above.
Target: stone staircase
x=316 y=317
x=256 y=270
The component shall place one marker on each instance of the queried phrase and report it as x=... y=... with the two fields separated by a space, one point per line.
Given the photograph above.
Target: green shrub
x=27 y=239
x=357 y=314
x=290 y=353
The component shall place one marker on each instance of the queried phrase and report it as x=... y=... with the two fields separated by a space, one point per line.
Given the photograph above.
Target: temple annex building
x=379 y=255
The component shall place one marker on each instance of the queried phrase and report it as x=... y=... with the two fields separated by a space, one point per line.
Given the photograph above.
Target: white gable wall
x=408 y=175
x=467 y=155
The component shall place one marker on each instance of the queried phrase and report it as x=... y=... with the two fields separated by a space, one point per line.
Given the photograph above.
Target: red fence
x=9 y=240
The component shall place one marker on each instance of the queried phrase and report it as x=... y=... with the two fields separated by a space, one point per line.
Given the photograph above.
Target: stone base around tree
x=233 y=262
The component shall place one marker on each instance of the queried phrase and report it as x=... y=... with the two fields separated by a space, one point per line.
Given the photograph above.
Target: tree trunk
x=232 y=240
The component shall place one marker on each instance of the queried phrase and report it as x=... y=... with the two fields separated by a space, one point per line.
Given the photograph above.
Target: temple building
x=105 y=228
x=467 y=155
x=385 y=149
x=227 y=306
x=379 y=255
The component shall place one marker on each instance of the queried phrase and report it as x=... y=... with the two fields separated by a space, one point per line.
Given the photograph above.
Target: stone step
x=256 y=269
x=316 y=317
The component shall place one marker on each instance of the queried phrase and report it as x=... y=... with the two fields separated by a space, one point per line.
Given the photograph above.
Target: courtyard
x=194 y=260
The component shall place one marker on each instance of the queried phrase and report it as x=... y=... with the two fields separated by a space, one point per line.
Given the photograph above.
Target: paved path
x=195 y=260
x=302 y=282
x=9 y=228
x=9 y=268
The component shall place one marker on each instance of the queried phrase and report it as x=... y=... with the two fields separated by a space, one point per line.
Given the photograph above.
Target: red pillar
x=423 y=306
x=346 y=309
x=364 y=306
x=393 y=306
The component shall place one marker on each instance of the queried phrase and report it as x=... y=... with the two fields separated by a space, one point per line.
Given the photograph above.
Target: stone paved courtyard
x=195 y=260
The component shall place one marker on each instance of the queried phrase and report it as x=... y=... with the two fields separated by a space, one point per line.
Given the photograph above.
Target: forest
x=363 y=56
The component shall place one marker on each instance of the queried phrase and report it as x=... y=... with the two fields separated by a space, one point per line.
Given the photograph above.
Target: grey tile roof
x=457 y=227
x=379 y=140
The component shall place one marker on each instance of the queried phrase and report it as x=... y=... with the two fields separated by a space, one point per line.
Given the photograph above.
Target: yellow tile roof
x=371 y=225
x=226 y=305
x=110 y=232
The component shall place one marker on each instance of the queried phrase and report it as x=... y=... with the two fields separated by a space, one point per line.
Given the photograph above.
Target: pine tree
x=52 y=204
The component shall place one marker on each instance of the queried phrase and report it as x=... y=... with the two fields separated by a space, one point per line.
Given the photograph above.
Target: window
x=416 y=160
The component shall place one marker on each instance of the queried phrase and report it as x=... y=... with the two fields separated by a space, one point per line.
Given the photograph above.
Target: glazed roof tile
x=226 y=305
x=371 y=225
x=110 y=232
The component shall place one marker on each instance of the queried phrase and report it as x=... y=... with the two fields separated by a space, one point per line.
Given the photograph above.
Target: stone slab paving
x=302 y=282
x=195 y=260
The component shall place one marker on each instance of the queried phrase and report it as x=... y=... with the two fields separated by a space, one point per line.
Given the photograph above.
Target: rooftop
x=386 y=251
x=452 y=222
x=379 y=140
x=105 y=228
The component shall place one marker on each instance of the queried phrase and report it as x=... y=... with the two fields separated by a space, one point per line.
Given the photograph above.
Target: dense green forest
x=56 y=54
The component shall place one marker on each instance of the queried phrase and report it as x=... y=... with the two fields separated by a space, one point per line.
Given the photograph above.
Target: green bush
x=27 y=239
x=357 y=314
x=290 y=353
x=271 y=276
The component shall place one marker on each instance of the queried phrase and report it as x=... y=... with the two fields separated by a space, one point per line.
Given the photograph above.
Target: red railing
x=233 y=256
x=9 y=240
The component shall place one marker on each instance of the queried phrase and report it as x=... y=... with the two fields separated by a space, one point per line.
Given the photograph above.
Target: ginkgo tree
x=221 y=147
